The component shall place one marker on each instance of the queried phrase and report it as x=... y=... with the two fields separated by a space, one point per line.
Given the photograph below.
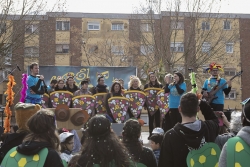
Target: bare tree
x=175 y=41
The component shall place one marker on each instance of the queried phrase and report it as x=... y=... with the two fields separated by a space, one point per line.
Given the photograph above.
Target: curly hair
x=130 y=83
x=112 y=90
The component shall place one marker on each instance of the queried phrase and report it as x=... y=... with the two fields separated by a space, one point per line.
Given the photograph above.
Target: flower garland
x=217 y=80
x=25 y=87
x=9 y=102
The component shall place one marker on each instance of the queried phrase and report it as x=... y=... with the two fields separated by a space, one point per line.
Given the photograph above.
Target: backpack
x=207 y=156
x=238 y=152
x=13 y=158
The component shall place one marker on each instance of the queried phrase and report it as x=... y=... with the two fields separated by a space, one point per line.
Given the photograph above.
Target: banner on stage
x=110 y=73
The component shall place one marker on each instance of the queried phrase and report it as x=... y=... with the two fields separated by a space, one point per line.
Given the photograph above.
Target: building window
x=206 y=47
x=147 y=49
x=229 y=48
x=62 y=48
x=144 y=117
x=31 y=52
x=31 y=28
x=205 y=26
x=117 y=26
x=2 y=28
x=62 y=25
x=179 y=68
x=117 y=50
x=227 y=25
x=93 y=26
x=177 y=47
x=230 y=71
x=177 y=24
x=93 y=49
x=231 y=95
x=145 y=27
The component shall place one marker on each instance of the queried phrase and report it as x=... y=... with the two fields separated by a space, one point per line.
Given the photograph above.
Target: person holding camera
x=35 y=85
x=176 y=88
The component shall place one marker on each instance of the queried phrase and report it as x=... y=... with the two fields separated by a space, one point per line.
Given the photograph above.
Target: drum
x=61 y=97
x=45 y=100
x=136 y=101
x=162 y=102
x=151 y=100
x=118 y=107
x=85 y=102
x=100 y=103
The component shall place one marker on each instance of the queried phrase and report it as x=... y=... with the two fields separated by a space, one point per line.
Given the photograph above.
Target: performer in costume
x=84 y=88
x=134 y=84
x=70 y=83
x=100 y=87
x=215 y=81
x=175 y=89
x=153 y=82
x=35 y=85
x=115 y=91
x=60 y=86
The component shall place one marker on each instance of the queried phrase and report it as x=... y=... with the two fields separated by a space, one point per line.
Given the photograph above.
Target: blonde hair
x=130 y=83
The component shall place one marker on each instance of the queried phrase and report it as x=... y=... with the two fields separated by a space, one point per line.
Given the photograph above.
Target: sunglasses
x=243 y=109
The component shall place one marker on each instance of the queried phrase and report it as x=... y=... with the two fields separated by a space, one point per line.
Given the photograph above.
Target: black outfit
x=157 y=116
x=99 y=89
x=11 y=140
x=63 y=89
x=173 y=116
x=177 y=141
x=129 y=111
x=145 y=156
x=33 y=147
x=72 y=90
x=109 y=95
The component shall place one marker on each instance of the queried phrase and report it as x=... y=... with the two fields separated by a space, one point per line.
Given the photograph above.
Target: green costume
x=13 y=158
x=238 y=153
x=207 y=156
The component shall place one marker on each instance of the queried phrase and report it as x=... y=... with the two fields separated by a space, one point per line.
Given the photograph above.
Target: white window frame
x=64 y=48
x=31 y=28
x=31 y=51
x=231 y=95
x=117 y=26
x=229 y=71
x=145 y=118
x=229 y=47
x=177 y=25
x=205 y=25
x=145 y=27
x=226 y=23
x=146 y=49
x=96 y=26
x=206 y=47
x=117 y=50
x=177 y=47
x=63 y=27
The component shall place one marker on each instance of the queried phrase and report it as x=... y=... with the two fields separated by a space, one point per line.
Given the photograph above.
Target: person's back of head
x=156 y=140
x=246 y=114
x=131 y=130
x=42 y=126
x=189 y=105
x=102 y=146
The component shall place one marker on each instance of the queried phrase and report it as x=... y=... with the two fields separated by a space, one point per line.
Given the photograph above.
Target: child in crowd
x=67 y=143
x=155 y=144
